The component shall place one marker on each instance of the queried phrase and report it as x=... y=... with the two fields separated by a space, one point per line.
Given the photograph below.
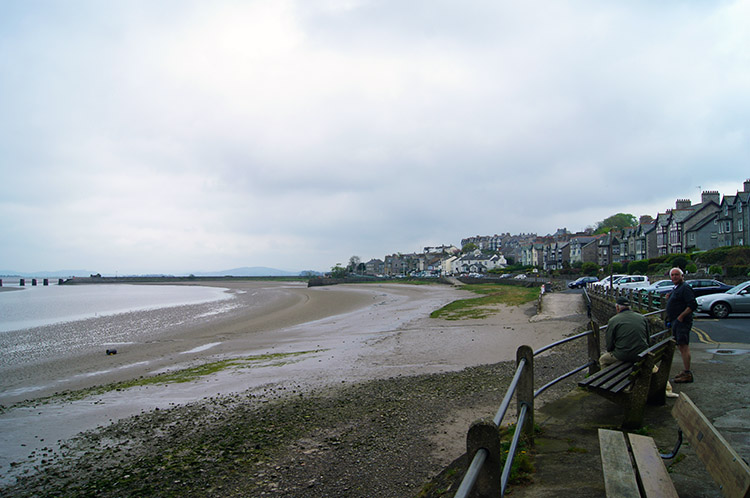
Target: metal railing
x=483 y=478
x=639 y=299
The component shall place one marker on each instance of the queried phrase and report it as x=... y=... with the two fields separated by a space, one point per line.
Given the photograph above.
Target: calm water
x=47 y=305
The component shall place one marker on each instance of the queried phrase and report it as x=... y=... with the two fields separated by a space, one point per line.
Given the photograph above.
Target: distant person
x=680 y=307
x=627 y=335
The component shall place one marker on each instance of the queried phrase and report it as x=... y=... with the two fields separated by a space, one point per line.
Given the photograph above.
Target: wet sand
x=347 y=334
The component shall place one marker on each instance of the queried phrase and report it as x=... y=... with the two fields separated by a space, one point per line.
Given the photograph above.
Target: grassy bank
x=492 y=295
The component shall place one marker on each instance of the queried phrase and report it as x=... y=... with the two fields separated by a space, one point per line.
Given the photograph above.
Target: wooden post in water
x=33 y=281
x=22 y=282
x=45 y=281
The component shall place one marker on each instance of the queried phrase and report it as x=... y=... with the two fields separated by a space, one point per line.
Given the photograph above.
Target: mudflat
x=297 y=341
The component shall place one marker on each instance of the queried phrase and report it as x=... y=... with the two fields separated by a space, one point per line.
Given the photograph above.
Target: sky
x=182 y=136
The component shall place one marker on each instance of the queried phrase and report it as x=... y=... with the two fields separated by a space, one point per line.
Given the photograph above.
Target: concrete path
x=567 y=453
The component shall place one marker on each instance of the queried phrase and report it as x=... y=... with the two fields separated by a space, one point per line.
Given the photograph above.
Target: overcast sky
x=175 y=136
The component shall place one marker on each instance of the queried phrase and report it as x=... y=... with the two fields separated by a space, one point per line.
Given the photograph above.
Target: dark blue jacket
x=681 y=297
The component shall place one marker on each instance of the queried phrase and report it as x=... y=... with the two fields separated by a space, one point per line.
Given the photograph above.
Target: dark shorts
x=681 y=331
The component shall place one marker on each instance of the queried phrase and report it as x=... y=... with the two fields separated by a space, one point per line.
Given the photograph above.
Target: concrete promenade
x=568 y=461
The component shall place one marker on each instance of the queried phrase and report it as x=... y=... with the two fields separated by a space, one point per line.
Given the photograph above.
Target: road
x=708 y=330
x=735 y=328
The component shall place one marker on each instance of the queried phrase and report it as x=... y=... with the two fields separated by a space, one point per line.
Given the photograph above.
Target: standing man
x=627 y=334
x=680 y=307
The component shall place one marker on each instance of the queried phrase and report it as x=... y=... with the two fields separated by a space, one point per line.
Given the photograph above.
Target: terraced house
x=713 y=222
x=733 y=221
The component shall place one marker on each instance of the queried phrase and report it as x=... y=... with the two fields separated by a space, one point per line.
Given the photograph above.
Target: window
x=739 y=225
x=727 y=227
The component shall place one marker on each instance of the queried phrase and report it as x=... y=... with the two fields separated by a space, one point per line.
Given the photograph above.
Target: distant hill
x=255 y=271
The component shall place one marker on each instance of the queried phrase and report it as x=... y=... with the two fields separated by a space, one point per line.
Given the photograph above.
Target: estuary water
x=38 y=306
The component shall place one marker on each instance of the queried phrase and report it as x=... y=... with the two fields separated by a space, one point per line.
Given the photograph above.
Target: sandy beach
x=339 y=335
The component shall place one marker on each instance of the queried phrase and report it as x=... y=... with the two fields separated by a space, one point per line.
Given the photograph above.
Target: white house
x=476 y=262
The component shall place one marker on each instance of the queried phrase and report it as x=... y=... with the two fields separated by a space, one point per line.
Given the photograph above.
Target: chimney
x=682 y=204
x=713 y=195
x=746 y=186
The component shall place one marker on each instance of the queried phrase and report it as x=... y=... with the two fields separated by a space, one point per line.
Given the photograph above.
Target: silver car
x=735 y=300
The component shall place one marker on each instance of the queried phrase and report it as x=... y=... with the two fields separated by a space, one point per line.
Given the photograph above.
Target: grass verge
x=484 y=306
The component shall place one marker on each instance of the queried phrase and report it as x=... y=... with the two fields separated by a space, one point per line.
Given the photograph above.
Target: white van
x=631 y=282
x=605 y=280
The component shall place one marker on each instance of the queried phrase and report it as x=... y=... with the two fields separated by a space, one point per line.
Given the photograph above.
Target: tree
x=639 y=267
x=471 y=246
x=354 y=262
x=615 y=267
x=681 y=262
x=615 y=222
x=339 y=271
x=589 y=268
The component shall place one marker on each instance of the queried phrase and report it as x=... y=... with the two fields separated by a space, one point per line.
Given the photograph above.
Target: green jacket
x=627 y=335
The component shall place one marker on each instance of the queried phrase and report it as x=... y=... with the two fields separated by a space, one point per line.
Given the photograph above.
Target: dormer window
x=726 y=209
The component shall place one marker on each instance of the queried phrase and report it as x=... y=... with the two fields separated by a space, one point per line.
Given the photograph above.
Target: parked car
x=704 y=286
x=631 y=282
x=735 y=300
x=520 y=277
x=581 y=282
x=660 y=287
x=605 y=280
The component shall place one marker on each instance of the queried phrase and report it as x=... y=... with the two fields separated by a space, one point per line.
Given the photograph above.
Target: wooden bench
x=633 y=466
x=725 y=465
x=632 y=385
x=623 y=474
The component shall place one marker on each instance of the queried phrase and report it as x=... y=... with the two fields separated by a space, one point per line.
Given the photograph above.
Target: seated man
x=627 y=334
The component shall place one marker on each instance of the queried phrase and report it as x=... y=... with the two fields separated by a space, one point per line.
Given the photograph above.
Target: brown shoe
x=684 y=378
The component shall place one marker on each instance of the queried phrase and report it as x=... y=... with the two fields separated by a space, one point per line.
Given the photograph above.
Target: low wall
x=603 y=303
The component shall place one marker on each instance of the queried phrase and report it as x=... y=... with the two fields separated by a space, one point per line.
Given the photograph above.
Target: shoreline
x=379 y=332
x=168 y=336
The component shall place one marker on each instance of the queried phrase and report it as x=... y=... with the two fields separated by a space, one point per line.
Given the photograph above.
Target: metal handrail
x=472 y=474
x=481 y=455
x=500 y=415
x=513 y=447
x=563 y=341
x=562 y=377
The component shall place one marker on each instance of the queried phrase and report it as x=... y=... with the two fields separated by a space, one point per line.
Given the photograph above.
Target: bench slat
x=606 y=374
x=654 y=476
x=621 y=385
x=657 y=348
x=618 y=383
x=619 y=479
x=720 y=459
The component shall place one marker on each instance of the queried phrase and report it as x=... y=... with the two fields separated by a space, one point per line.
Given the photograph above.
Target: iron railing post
x=593 y=348
x=525 y=392
x=485 y=435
